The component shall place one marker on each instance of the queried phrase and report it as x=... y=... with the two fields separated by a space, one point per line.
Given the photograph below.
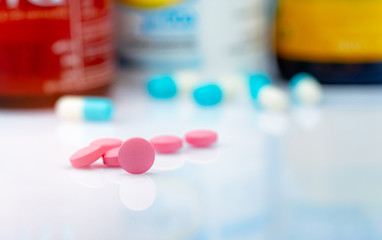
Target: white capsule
x=84 y=108
x=306 y=89
x=186 y=80
x=308 y=92
x=233 y=85
x=272 y=98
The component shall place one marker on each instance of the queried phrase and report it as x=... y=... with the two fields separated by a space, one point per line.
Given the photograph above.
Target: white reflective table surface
x=307 y=174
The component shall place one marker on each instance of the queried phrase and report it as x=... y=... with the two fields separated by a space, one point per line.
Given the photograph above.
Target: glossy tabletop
x=306 y=174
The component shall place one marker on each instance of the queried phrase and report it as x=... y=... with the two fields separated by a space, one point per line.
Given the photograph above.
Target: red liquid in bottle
x=54 y=47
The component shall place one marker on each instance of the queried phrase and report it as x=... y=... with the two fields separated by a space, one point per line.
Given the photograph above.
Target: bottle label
x=192 y=33
x=55 y=46
x=343 y=31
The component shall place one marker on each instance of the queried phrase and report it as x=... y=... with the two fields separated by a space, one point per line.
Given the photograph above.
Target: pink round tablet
x=86 y=156
x=136 y=155
x=107 y=143
x=166 y=144
x=110 y=158
x=201 y=138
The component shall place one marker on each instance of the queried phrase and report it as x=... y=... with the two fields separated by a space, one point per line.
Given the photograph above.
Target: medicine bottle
x=192 y=34
x=53 y=47
x=339 y=42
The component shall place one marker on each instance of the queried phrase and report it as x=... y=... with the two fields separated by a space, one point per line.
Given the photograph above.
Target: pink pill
x=86 y=156
x=110 y=158
x=107 y=143
x=166 y=144
x=136 y=155
x=201 y=138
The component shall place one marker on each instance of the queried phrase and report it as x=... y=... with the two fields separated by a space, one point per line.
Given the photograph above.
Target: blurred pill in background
x=84 y=108
x=256 y=82
x=272 y=98
x=306 y=89
x=234 y=84
x=186 y=80
x=162 y=86
x=209 y=94
x=266 y=95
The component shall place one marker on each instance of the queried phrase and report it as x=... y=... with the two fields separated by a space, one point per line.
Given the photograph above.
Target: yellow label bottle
x=338 y=41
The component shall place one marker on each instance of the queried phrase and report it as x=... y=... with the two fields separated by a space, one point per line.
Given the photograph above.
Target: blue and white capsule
x=257 y=82
x=306 y=90
x=268 y=96
x=83 y=108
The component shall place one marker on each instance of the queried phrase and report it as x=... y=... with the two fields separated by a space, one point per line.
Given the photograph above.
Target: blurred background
x=292 y=87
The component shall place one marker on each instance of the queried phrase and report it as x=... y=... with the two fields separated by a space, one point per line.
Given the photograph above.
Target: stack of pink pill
x=137 y=155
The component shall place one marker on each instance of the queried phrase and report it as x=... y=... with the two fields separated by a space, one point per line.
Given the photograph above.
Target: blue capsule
x=162 y=86
x=208 y=95
x=98 y=109
x=256 y=82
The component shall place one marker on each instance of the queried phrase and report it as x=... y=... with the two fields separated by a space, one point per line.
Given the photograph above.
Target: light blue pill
x=208 y=95
x=162 y=86
x=256 y=82
x=296 y=79
x=84 y=108
x=98 y=109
